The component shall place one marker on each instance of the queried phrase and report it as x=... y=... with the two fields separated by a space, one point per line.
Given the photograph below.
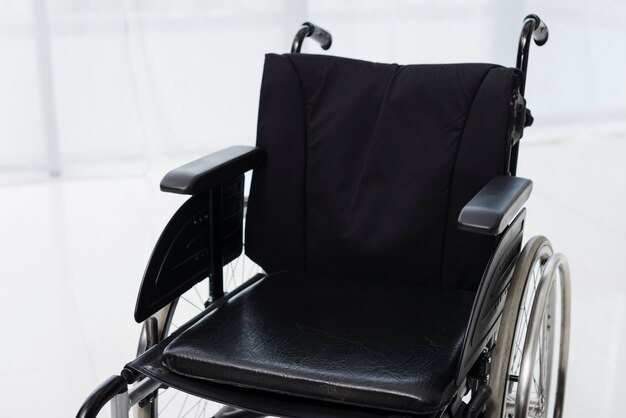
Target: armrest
x=204 y=173
x=493 y=208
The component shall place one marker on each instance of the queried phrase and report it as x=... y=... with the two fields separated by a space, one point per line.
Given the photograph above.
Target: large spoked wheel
x=529 y=363
x=170 y=402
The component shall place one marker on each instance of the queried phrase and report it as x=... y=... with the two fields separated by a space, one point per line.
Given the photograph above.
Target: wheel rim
x=542 y=379
x=529 y=381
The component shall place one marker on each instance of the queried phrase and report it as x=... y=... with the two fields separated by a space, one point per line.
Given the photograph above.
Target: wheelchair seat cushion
x=393 y=347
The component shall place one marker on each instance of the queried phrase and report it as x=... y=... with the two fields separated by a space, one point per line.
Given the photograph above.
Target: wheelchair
x=383 y=273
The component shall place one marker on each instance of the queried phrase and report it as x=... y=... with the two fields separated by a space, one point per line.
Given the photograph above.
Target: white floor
x=72 y=254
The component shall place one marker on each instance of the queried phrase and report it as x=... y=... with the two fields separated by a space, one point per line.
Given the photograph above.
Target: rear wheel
x=530 y=357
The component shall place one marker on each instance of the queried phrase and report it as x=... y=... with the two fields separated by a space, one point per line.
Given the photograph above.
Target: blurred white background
x=106 y=95
x=89 y=83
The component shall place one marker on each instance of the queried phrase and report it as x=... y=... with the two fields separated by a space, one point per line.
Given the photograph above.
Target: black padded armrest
x=204 y=173
x=493 y=208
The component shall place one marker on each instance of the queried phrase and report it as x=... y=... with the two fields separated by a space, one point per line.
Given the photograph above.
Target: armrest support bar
x=207 y=172
x=493 y=208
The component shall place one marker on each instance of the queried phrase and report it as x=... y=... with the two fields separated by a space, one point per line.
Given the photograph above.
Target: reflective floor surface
x=72 y=254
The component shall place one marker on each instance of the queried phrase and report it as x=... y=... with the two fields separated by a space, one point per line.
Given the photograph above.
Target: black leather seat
x=393 y=346
x=367 y=168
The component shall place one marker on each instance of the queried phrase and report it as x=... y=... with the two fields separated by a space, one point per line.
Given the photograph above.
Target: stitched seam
x=384 y=100
x=456 y=157
x=305 y=109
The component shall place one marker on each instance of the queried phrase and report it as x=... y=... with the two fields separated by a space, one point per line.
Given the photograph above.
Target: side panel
x=480 y=158
x=491 y=294
x=181 y=257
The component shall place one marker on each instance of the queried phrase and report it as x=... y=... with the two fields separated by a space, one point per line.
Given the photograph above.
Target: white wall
x=138 y=80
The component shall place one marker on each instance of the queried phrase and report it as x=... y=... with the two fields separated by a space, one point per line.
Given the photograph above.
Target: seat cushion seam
x=305 y=109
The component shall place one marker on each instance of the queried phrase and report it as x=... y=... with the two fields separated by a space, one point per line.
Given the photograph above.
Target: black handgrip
x=540 y=30
x=309 y=30
x=321 y=35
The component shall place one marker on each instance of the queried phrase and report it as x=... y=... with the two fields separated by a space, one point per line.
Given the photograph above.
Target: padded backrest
x=368 y=166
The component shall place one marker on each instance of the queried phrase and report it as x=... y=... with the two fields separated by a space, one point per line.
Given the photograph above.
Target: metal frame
x=216 y=278
x=122 y=398
x=120 y=406
x=521 y=117
x=534 y=28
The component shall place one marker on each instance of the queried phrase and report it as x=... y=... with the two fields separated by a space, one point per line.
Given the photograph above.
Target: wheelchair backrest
x=368 y=166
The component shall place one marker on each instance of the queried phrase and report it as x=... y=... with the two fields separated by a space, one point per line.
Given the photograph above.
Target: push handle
x=309 y=30
x=534 y=28
x=540 y=30
x=321 y=35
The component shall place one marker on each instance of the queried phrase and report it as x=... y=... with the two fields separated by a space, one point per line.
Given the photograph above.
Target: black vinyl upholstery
x=394 y=347
x=354 y=215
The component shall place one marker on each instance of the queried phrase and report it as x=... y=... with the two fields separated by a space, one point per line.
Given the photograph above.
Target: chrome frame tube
x=302 y=33
x=141 y=390
x=120 y=406
x=533 y=28
x=555 y=263
x=524 y=49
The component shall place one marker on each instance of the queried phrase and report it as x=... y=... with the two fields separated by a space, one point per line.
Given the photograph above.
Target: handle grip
x=309 y=30
x=321 y=35
x=540 y=29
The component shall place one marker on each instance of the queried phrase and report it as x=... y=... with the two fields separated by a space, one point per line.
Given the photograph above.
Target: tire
x=529 y=361
x=171 y=403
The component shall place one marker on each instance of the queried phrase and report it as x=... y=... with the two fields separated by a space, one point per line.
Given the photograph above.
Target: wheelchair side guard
x=183 y=255
x=490 y=297
x=205 y=173
x=495 y=205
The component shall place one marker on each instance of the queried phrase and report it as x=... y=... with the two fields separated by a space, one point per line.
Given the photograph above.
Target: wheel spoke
x=193 y=407
x=195 y=288
x=191 y=303
x=182 y=408
x=170 y=401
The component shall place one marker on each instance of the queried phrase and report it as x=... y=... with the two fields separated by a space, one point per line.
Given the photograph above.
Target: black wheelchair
x=383 y=274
